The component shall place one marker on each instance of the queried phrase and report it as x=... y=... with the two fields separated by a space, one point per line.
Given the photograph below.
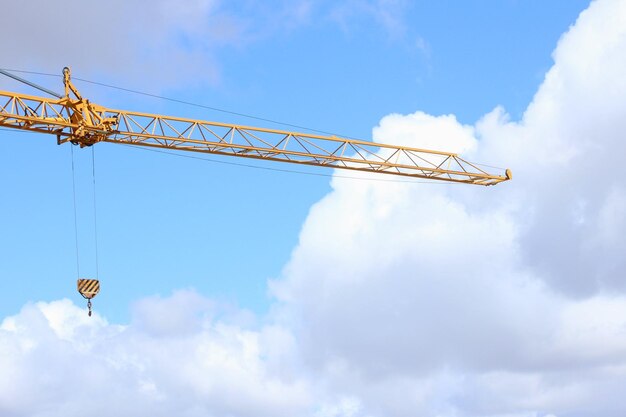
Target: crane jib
x=76 y=120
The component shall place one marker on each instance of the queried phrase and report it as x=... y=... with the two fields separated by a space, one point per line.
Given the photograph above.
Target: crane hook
x=88 y=288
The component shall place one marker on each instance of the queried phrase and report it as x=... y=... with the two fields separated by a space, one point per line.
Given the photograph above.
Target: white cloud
x=513 y=296
x=441 y=133
x=56 y=361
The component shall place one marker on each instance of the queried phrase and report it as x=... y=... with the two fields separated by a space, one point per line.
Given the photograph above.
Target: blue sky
x=236 y=291
x=339 y=68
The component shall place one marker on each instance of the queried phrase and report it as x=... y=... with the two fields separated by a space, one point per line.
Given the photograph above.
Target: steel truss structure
x=77 y=120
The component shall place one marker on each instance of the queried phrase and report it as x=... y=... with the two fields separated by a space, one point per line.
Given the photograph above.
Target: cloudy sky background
x=397 y=299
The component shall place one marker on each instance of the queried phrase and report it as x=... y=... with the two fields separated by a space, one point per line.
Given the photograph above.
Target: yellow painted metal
x=88 y=288
x=81 y=122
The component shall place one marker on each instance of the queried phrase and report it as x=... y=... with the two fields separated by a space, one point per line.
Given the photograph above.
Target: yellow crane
x=72 y=118
x=81 y=122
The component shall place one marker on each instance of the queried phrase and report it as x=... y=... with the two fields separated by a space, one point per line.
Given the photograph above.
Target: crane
x=72 y=118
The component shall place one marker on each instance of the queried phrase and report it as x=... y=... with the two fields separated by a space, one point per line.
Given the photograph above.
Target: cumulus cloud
x=55 y=361
x=501 y=301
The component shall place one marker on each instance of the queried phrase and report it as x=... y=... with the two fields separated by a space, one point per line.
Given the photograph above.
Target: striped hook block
x=88 y=288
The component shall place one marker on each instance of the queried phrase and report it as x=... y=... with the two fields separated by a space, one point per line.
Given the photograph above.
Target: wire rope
x=188 y=103
x=95 y=212
x=75 y=213
x=38 y=87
